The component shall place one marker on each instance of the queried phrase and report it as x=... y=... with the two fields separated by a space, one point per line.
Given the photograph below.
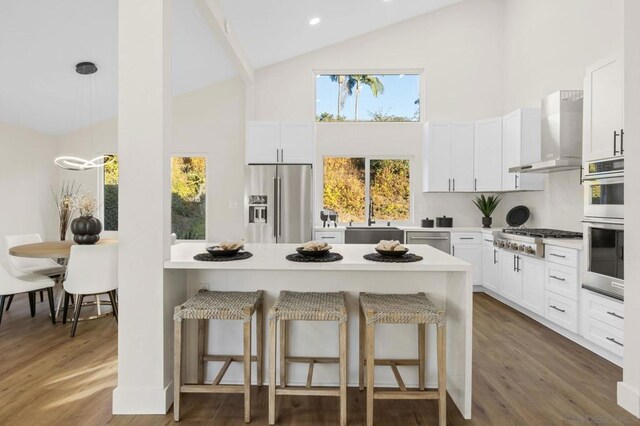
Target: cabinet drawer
x=331 y=237
x=561 y=255
x=466 y=238
x=562 y=280
x=561 y=310
x=604 y=309
x=487 y=239
x=603 y=335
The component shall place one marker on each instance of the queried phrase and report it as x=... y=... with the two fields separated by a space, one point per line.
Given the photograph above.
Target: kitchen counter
x=419 y=228
x=445 y=279
x=575 y=244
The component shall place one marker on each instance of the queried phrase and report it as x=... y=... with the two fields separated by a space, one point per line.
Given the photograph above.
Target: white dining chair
x=26 y=283
x=92 y=270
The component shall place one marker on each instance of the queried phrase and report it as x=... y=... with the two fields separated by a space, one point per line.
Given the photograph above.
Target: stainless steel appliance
x=561 y=133
x=603 y=270
x=278 y=203
x=604 y=190
x=529 y=240
x=439 y=240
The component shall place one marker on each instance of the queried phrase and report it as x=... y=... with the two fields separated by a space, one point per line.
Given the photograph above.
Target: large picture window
x=367 y=97
x=188 y=197
x=354 y=185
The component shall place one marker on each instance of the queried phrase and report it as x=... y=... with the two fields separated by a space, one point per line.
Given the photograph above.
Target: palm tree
x=374 y=83
x=340 y=79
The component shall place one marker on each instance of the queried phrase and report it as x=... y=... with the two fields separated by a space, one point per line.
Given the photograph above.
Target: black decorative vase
x=86 y=229
x=486 y=222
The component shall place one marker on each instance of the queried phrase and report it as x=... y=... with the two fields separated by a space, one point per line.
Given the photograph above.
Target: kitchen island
x=445 y=279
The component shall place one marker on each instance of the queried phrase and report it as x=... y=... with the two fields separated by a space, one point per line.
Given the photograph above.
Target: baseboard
x=629 y=398
x=142 y=400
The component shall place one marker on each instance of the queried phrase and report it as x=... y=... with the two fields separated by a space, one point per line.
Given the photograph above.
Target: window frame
x=206 y=200
x=100 y=193
x=367 y=186
x=371 y=71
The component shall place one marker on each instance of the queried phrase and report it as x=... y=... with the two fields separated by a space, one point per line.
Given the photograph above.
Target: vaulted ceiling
x=42 y=40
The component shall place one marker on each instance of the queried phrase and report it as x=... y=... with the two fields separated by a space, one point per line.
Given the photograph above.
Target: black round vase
x=486 y=222
x=86 y=229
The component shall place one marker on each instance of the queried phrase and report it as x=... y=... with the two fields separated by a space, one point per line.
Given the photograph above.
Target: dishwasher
x=439 y=240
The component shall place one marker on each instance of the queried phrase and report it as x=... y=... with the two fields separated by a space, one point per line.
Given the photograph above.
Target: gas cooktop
x=542 y=233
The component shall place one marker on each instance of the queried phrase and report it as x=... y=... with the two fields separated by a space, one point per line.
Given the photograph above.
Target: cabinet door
x=462 y=157
x=510 y=277
x=437 y=157
x=488 y=155
x=263 y=142
x=603 y=109
x=530 y=149
x=296 y=143
x=532 y=284
x=490 y=267
x=473 y=255
x=511 y=143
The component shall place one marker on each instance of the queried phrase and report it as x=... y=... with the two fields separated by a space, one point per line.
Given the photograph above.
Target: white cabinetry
x=331 y=237
x=602 y=321
x=561 y=286
x=521 y=145
x=522 y=280
x=468 y=247
x=270 y=142
x=490 y=265
x=488 y=155
x=448 y=157
x=510 y=278
x=603 y=110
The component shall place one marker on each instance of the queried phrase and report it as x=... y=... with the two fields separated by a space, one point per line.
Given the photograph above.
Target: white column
x=629 y=388
x=145 y=297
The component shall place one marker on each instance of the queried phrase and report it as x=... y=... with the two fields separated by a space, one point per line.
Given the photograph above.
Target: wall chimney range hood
x=561 y=134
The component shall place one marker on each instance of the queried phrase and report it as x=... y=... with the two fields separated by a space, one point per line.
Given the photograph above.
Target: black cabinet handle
x=454 y=184
x=470 y=238
x=611 y=339
x=475 y=184
x=615 y=143
x=514 y=262
x=517 y=263
x=516 y=181
x=487 y=240
x=557 y=255
x=557 y=278
x=449 y=185
x=613 y=314
x=621 y=141
x=495 y=252
x=556 y=308
x=453 y=250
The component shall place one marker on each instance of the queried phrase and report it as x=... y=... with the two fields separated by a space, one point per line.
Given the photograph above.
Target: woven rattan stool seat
x=219 y=305
x=400 y=309
x=309 y=306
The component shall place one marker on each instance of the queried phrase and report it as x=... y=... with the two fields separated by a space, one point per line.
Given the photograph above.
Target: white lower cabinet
x=510 y=278
x=562 y=311
x=331 y=237
x=532 y=271
x=602 y=321
x=490 y=267
x=468 y=247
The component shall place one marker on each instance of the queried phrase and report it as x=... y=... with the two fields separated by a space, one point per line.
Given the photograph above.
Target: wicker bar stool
x=219 y=305
x=292 y=306
x=401 y=309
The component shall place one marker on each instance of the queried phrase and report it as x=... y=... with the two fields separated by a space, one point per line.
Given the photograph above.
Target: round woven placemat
x=297 y=257
x=407 y=258
x=206 y=257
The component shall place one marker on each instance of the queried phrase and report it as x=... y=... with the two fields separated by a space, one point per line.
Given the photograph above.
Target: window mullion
x=367 y=188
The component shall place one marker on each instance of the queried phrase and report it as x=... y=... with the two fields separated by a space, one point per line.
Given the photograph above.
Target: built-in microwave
x=603 y=264
x=604 y=190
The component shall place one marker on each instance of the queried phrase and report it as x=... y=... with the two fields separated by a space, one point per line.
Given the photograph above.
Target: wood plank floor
x=523 y=374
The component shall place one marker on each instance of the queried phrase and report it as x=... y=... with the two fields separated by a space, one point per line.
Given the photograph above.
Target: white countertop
x=417 y=228
x=575 y=244
x=272 y=257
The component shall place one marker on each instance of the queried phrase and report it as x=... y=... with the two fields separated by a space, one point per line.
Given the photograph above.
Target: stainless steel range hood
x=561 y=134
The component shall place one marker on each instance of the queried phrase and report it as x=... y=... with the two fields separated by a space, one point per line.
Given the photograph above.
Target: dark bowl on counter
x=392 y=253
x=312 y=253
x=222 y=253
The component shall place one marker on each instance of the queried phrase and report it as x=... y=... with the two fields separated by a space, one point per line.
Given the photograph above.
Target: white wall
x=207 y=122
x=27 y=174
x=459 y=48
x=547 y=46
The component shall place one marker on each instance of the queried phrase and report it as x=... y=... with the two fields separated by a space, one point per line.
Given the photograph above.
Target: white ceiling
x=42 y=40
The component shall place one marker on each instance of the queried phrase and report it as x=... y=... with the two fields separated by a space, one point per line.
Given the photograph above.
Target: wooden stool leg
x=272 y=371
x=442 y=375
x=422 y=358
x=259 y=343
x=343 y=374
x=370 y=369
x=202 y=331
x=283 y=353
x=177 y=367
x=247 y=368
x=362 y=327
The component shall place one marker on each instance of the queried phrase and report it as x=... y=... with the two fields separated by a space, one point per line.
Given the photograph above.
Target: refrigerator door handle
x=279 y=207
x=275 y=208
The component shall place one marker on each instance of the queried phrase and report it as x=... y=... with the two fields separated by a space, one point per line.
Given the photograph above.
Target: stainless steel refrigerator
x=278 y=203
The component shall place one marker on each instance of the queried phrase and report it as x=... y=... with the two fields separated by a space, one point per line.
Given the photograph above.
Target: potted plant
x=86 y=228
x=487 y=206
x=66 y=205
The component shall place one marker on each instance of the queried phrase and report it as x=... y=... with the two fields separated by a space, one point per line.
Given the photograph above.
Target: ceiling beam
x=214 y=15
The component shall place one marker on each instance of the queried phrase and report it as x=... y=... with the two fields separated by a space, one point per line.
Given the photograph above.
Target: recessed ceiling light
x=314 y=21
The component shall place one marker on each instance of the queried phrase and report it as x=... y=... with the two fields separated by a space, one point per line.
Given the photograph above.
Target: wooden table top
x=48 y=249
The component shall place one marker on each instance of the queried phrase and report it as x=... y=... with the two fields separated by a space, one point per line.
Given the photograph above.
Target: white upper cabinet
x=603 y=110
x=271 y=142
x=448 y=157
x=521 y=145
x=488 y=155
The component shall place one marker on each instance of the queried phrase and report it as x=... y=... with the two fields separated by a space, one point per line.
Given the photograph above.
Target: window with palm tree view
x=367 y=97
x=347 y=190
x=188 y=197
